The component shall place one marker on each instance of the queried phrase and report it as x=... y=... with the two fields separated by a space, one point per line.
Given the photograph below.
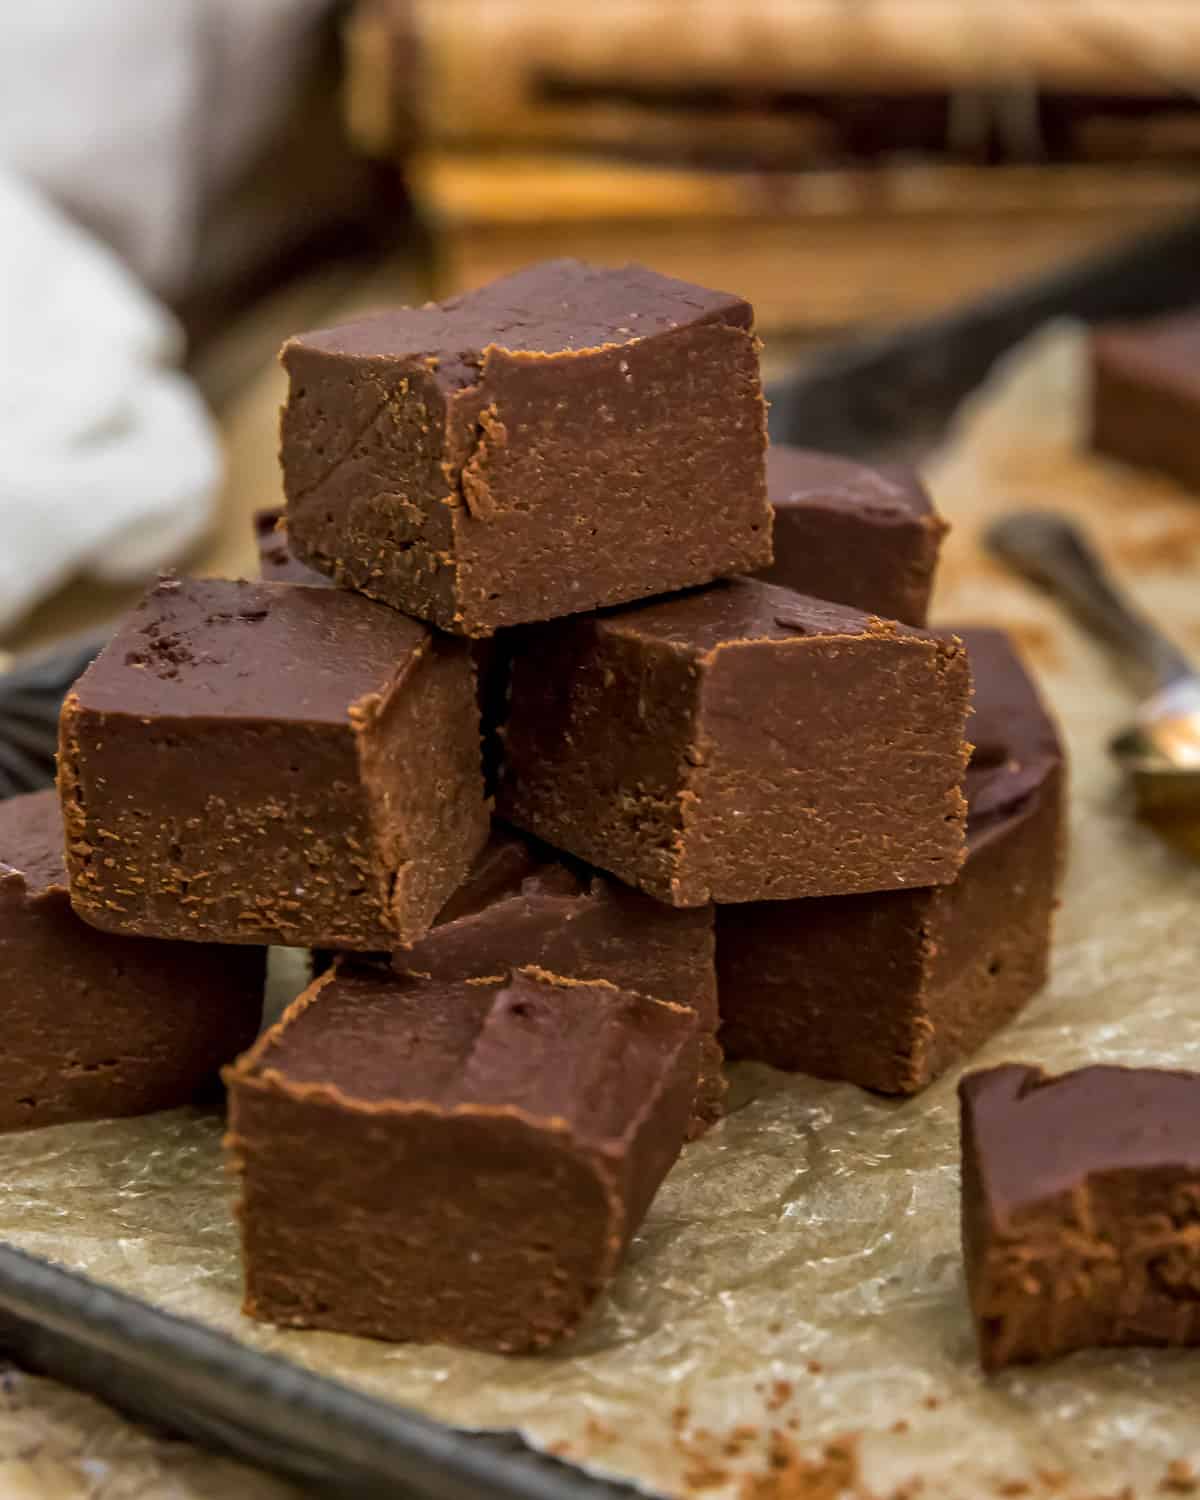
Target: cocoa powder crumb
x=738 y=1439
x=815 y=1367
x=900 y=1426
x=1014 y=1487
x=1053 y=1479
x=679 y=1417
x=829 y=1476
x=781 y=1392
x=702 y=1471
x=705 y=1475
x=1180 y=1478
x=932 y=1403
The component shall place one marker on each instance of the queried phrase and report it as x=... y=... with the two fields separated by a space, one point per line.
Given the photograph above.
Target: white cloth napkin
x=132 y=114
x=108 y=458
x=126 y=117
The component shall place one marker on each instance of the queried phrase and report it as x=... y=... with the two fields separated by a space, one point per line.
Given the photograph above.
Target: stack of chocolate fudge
x=584 y=740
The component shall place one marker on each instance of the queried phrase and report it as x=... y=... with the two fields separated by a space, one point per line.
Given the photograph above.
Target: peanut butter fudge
x=525 y=905
x=1146 y=394
x=857 y=535
x=453 y=1162
x=741 y=743
x=268 y=763
x=887 y=990
x=97 y=1025
x=564 y=438
x=1080 y=1209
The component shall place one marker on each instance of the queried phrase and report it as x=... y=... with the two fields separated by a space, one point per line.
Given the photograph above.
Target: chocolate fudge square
x=1080 y=1209
x=96 y=1025
x=1146 y=394
x=741 y=743
x=857 y=535
x=888 y=990
x=483 y=1149
x=268 y=763
x=276 y=564
x=564 y=438
x=526 y=905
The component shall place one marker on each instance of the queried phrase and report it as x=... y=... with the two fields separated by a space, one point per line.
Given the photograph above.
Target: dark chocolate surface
x=1146 y=394
x=487 y=1148
x=1040 y=1136
x=1016 y=741
x=672 y=742
x=268 y=763
x=500 y=870
x=584 y=1053
x=558 y=306
x=1080 y=1209
x=31 y=841
x=863 y=536
x=231 y=650
x=376 y=1042
x=732 y=611
x=932 y=972
x=802 y=476
x=1167 y=347
x=525 y=904
x=564 y=439
x=97 y=1025
x=276 y=563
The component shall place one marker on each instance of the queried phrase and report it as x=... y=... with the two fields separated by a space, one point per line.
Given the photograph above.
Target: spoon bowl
x=1159 y=753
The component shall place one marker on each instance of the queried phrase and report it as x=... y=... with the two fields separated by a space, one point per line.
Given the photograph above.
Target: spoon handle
x=1052 y=552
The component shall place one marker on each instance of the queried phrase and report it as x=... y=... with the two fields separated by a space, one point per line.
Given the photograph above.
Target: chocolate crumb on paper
x=832 y=1475
x=1181 y=1478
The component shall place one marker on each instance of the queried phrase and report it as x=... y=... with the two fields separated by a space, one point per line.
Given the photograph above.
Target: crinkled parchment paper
x=799 y=1274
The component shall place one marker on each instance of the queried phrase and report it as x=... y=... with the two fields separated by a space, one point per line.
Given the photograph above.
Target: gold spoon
x=1160 y=751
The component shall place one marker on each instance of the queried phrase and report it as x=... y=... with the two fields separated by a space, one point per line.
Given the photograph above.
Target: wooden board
x=526 y=71
x=815 y=252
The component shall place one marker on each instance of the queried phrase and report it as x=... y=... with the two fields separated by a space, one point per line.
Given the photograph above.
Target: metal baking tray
x=884 y=396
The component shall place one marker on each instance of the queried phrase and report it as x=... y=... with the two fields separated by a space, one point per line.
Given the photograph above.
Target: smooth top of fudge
x=745 y=609
x=805 y=478
x=1016 y=741
x=1169 y=345
x=220 y=648
x=276 y=561
x=507 y=861
x=1037 y=1136
x=31 y=841
x=556 y=307
x=522 y=895
x=587 y=1054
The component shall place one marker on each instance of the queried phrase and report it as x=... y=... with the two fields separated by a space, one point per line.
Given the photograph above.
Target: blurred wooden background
x=845 y=165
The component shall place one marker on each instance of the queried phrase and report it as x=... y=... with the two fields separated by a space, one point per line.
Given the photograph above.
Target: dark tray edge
x=201 y=1384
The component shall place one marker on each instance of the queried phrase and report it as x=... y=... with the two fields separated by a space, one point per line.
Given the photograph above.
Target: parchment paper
x=792 y=1321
